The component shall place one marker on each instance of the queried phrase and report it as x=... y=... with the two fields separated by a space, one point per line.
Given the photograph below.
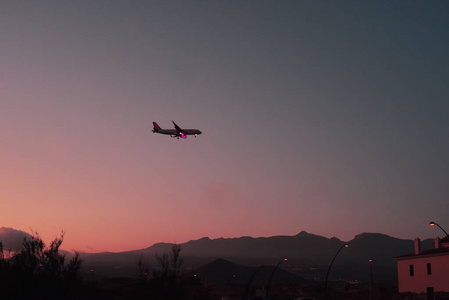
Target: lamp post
x=371 y=281
x=245 y=295
x=226 y=285
x=433 y=224
x=272 y=273
x=330 y=266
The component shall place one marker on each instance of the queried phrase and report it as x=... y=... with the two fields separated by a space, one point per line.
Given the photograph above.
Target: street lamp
x=371 y=282
x=250 y=280
x=227 y=284
x=272 y=273
x=328 y=270
x=433 y=224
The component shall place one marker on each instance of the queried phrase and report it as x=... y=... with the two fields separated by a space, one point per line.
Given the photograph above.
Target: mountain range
x=308 y=256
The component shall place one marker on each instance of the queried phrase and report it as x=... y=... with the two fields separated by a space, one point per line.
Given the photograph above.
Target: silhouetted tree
x=169 y=264
x=36 y=271
x=142 y=268
x=163 y=266
x=167 y=273
x=4 y=263
x=176 y=260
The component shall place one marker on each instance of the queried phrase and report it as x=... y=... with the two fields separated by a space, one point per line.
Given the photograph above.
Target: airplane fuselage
x=178 y=132
x=174 y=132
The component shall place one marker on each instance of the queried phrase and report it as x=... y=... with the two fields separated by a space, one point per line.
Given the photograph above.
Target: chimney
x=417 y=246
x=437 y=242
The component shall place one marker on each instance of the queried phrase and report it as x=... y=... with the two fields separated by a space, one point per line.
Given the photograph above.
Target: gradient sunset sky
x=325 y=116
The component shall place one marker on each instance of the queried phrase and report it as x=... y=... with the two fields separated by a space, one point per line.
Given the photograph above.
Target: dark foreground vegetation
x=40 y=271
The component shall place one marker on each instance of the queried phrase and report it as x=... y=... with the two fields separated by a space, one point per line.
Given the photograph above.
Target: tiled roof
x=438 y=251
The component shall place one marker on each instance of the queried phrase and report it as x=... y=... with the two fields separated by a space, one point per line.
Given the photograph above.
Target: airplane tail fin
x=156 y=127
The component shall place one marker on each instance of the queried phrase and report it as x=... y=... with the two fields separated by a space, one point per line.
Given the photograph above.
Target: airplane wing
x=178 y=129
x=180 y=132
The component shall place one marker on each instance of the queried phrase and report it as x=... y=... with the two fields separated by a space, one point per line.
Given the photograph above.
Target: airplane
x=177 y=132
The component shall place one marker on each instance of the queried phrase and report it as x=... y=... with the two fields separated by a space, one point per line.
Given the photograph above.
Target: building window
x=412 y=272
x=429 y=269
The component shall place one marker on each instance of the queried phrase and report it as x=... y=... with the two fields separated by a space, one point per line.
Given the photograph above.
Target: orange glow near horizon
x=296 y=137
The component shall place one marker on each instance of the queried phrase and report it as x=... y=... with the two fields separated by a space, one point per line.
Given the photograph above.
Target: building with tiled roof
x=425 y=271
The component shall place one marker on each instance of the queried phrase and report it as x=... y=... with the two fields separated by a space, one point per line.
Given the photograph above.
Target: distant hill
x=223 y=271
x=12 y=239
x=382 y=249
x=308 y=255
x=303 y=248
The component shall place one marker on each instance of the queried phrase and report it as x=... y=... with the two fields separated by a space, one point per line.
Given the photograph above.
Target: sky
x=330 y=117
